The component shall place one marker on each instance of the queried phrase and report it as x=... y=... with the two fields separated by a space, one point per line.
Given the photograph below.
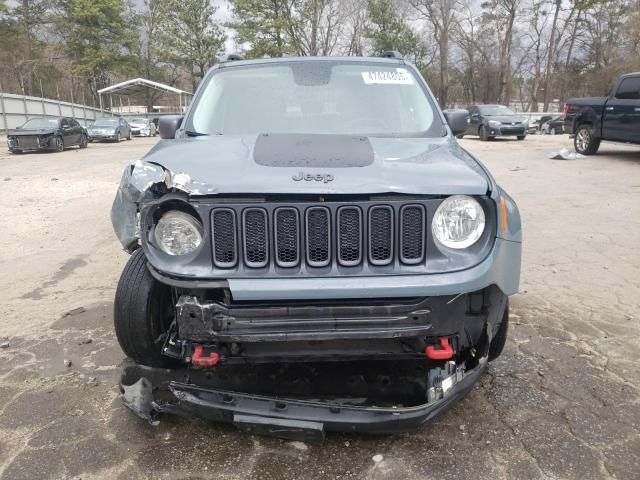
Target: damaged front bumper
x=149 y=392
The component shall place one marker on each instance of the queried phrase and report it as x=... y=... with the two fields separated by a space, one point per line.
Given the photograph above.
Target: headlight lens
x=178 y=233
x=458 y=222
x=494 y=123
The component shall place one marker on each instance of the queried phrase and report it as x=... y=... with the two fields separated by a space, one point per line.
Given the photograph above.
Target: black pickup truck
x=613 y=118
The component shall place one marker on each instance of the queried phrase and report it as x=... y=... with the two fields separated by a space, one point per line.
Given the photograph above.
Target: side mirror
x=458 y=120
x=169 y=125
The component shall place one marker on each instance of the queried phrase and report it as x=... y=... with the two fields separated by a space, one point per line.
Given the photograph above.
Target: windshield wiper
x=191 y=133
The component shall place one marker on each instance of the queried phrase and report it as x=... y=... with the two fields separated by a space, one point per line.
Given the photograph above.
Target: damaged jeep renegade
x=312 y=216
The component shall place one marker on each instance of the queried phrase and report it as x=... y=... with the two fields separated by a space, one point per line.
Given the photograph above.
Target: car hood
x=40 y=131
x=318 y=164
x=139 y=125
x=506 y=118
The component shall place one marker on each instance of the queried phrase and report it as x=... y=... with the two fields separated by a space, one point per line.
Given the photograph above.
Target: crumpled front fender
x=140 y=182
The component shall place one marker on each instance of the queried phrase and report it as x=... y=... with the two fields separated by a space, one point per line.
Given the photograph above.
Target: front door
x=68 y=132
x=621 y=120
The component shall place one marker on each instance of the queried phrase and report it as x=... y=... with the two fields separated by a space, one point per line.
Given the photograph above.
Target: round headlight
x=178 y=233
x=458 y=222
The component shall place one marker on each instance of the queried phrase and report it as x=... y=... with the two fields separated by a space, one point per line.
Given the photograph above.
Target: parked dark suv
x=491 y=121
x=333 y=221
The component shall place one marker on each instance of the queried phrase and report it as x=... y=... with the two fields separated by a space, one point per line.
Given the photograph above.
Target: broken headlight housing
x=458 y=222
x=178 y=233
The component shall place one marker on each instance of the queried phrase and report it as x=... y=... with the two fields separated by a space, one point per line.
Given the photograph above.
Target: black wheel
x=460 y=136
x=482 y=133
x=585 y=142
x=129 y=136
x=521 y=137
x=143 y=312
x=83 y=141
x=117 y=140
x=500 y=339
x=58 y=144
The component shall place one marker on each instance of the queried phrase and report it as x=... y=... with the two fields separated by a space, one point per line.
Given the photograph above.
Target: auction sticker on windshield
x=400 y=77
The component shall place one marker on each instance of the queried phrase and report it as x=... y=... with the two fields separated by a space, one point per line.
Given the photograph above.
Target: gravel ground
x=562 y=402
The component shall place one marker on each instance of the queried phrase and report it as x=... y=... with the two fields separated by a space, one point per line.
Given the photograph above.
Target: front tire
x=500 y=339
x=83 y=141
x=129 y=136
x=585 y=142
x=143 y=312
x=58 y=145
x=521 y=137
x=482 y=133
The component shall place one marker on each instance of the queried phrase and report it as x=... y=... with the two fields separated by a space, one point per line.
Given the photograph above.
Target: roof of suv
x=257 y=61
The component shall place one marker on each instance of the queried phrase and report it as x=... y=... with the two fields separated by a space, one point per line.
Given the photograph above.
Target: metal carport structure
x=140 y=86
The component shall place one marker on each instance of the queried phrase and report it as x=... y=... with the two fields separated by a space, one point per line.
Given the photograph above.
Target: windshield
x=37 y=123
x=315 y=97
x=138 y=120
x=495 y=110
x=105 y=122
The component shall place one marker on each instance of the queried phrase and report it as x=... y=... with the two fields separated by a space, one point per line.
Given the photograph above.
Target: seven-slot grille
x=318 y=235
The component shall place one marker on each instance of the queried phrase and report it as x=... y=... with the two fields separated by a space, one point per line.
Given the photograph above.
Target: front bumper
x=37 y=144
x=507 y=131
x=138 y=132
x=501 y=267
x=149 y=392
x=98 y=137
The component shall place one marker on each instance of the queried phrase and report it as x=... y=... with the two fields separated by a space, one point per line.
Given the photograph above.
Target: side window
x=74 y=123
x=64 y=123
x=629 y=89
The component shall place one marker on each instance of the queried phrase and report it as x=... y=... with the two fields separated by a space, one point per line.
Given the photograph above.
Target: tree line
x=530 y=52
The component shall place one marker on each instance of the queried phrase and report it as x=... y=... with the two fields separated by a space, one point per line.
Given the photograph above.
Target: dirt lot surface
x=562 y=402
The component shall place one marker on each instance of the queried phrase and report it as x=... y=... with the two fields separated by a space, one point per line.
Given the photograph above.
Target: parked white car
x=142 y=127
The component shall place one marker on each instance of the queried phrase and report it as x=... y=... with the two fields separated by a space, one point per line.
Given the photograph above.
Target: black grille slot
x=287 y=236
x=318 y=236
x=224 y=238
x=254 y=227
x=381 y=235
x=349 y=236
x=412 y=234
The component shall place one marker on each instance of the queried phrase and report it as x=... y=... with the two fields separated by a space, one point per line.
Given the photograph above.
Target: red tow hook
x=445 y=352
x=199 y=360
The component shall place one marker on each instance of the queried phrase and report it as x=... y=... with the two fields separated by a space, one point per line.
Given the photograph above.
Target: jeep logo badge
x=313 y=177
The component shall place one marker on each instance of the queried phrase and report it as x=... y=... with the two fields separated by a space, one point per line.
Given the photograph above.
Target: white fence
x=17 y=109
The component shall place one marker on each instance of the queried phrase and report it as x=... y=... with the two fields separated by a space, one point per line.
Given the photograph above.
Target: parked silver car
x=112 y=129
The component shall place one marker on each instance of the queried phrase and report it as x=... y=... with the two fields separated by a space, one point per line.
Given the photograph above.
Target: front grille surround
x=406 y=249
x=287 y=258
